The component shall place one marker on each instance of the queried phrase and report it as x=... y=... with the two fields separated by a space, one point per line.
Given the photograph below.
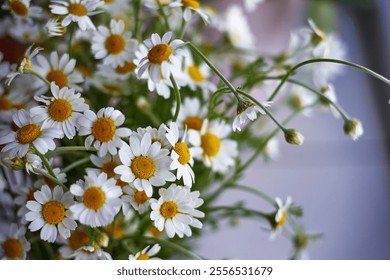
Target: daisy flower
x=21 y=10
x=280 y=216
x=60 y=111
x=173 y=211
x=78 y=238
x=57 y=69
x=25 y=33
x=144 y=164
x=217 y=151
x=158 y=135
x=181 y=155
x=189 y=7
x=25 y=65
x=247 y=111
x=191 y=115
x=147 y=253
x=102 y=130
x=118 y=73
x=115 y=7
x=49 y=212
x=137 y=199
x=54 y=28
x=76 y=11
x=99 y=200
x=113 y=45
x=28 y=134
x=14 y=245
x=158 y=57
x=91 y=252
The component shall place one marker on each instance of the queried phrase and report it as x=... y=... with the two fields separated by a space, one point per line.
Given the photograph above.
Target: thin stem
x=137 y=10
x=255 y=192
x=71 y=149
x=182 y=28
x=75 y=164
x=164 y=16
x=71 y=32
x=39 y=77
x=50 y=177
x=233 y=209
x=178 y=98
x=357 y=66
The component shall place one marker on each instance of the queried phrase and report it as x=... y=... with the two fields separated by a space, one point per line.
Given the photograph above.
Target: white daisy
x=120 y=72
x=147 y=253
x=189 y=7
x=218 y=152
x=158 y=135
x=57 y=69
x=137 y=199
x=76 y=11
x=26 y=64
x=191 y=115
x=99 y=200
x=115 y=7
x=50 y=213
x=25 y=33
x=28 y=134
x=14 y=245
x=54 y=28
x=144 y=164
x=113 y=45
x=247 y=111
x=182 y=155
x=173 y=211
x=280 y=216
x=60 y=111
x=91 y=252
x=103 y=130
x=78 y=238
x=158 y=57
x=21 y=10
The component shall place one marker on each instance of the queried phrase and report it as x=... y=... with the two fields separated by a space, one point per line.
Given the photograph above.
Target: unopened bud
x=293 y=136
x=143 y=104
x=353 y=128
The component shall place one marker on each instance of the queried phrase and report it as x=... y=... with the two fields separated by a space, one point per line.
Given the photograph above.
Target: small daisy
x=247 y=111
x=60 y=111
x=28 y=134
x=54 y=28
x=21 y=10
x=91 y=252
x=25 y=65
x=192 y=114
x=280 y=216
x=103 y=130
x=158 y=135
x=14 y=245
x=115 y=7
x=218 y=152
x=144 y=164
x=76 y=11
x=50 y=213
x=25 y=33
x=78 y=238
x=147 y=253
x=98 y=202
x=118 y=73
x=173 y=211
x=57 y=69
x=137 y=199
x=189 y=7
x=113 y=45
x=158 y=57
x=182 y=155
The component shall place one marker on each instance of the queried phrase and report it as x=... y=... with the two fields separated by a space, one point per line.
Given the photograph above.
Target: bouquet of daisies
x=122 y=122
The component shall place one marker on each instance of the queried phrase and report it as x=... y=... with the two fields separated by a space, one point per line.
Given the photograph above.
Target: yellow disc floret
x=169 y=209
x=128 y=67
x=94 y=198
x=78 y=239
x=193 y=122
x=143 y=257
x=103 y=129
x=143 y=167
x=195 y=74
x=210 y=144
x=184 y=153
x=12 y=248
x=58 y=77
x=53 y=212
x=140 y=197
x=19 y=8
x=60 y=110
x=28 y=133
x=108 y=168
x=191 y=4
x=77 y=9
x=115 y=44
x=5 y=104
x=159 y=53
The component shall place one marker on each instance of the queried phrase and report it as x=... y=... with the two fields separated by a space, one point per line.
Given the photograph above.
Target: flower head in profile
x=54 y=28
x=147 y=253
x=98 y=199
x=293 y=136
x=280 y=216
x=247 y=111
x=102 y=130
x=78 y=11
x=353 y=128
x=60 y=111
x=50 y=213
x=13 y=244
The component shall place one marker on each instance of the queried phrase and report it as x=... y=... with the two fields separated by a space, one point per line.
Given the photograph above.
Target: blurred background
x=342 y=185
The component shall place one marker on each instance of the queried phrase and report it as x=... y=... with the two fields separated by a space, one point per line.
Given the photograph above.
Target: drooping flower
x=54 y=28
x=247 y=111
x=280 y=216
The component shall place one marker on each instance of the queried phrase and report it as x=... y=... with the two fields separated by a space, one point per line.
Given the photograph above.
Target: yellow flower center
x=28 y=65
x=115 y=44
x=5 y=104
x=19 y=8
x=53 y=212
x=128 y=67
x=28 y=133
x=140 y=197
x=51 y=184
x=114 y=230
x=191 y=3
x=154 y=231
x=195 y=74
x=121 y=183
x=143 y=257
x=20 y=106
x=169 y=209
x=30 y=195
x=94 y=198
x=12 y=248
x=78 y=239
x=143 y=167
x=103 y=129
x=210 y=144
x=159 y=53
x=85 y=71
x=58 y=77
x=282 y=220
x=108 y=168
x=109 y=1
x=60 y=110
x=184 y=153
x=193 y=122
x=77 y=9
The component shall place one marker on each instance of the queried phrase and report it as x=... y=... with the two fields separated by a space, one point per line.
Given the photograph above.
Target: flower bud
x=143 y=104
x=293 y=136
x=353 y=128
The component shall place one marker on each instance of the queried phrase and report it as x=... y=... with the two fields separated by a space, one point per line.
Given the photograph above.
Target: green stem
x=71 y=32
x=39 y=77
x=75 y=164
x=71 y=149
x=164 y=16
x=137 y=10
x=182 y=28
x=357 y=66
x=178 y=98
x=233 y=209
x=255 y=192
x=50 y=177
